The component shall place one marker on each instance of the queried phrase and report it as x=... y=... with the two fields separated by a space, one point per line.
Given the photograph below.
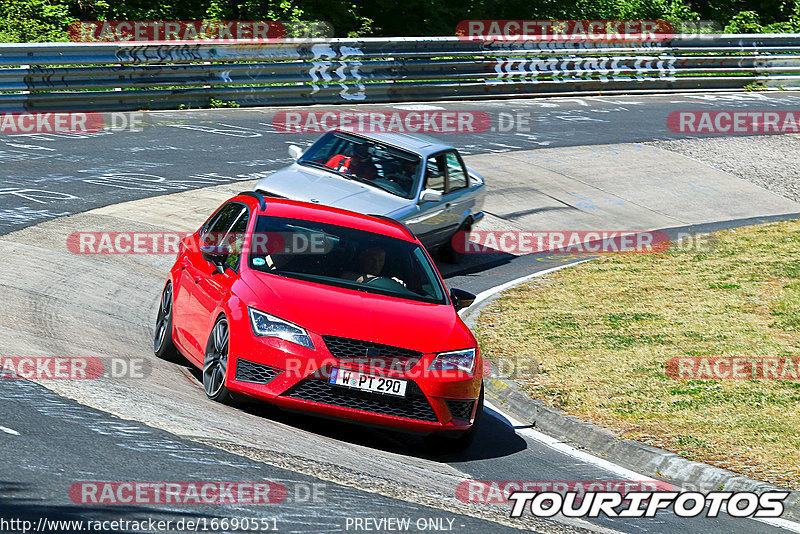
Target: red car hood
x=329 y=310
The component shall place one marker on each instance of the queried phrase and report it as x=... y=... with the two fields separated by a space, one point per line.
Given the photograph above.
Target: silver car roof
x=421 y=144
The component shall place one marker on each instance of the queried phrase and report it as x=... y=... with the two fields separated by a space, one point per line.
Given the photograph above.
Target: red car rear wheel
x=163 y=346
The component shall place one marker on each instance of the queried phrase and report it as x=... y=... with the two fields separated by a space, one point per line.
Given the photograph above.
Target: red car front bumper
x=296 y=377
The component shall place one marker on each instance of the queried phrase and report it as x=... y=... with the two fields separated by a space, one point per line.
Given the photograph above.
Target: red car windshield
x=344 y=257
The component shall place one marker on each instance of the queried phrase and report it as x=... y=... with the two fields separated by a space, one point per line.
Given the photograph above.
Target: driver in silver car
x=358 y=164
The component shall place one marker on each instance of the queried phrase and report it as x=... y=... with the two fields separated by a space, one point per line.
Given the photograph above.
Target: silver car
x=414 y=179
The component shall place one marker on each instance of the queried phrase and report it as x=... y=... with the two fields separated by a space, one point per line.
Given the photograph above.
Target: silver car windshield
x=385 y=167
x=344 y=257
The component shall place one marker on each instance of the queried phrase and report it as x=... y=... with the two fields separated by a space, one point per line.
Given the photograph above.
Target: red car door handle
x=191 y=271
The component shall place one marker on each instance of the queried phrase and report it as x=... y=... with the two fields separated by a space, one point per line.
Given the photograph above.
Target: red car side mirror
x=216 y=255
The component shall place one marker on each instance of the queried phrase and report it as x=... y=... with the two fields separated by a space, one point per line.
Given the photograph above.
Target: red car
x=326 y=311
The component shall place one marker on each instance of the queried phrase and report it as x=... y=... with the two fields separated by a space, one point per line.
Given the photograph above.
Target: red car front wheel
x=215 y=365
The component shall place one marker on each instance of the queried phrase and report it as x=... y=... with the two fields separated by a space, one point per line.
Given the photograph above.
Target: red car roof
x=293 y=209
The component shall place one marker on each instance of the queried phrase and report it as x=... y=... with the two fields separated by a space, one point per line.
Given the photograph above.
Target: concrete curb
x=635 y=455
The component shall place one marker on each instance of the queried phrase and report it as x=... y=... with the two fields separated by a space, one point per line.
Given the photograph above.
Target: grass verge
x=600 y=335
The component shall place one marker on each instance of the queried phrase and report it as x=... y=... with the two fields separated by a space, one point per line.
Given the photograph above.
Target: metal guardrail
x=132 y=76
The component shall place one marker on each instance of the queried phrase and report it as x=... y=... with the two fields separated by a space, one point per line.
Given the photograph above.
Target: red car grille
x=413 y=406
x=371 y=354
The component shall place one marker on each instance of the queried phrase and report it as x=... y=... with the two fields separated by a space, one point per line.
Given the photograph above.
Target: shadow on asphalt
x=495 y=439
x=472 y=263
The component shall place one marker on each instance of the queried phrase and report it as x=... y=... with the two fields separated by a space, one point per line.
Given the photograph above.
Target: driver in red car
x=358 y=164
x=370 y=263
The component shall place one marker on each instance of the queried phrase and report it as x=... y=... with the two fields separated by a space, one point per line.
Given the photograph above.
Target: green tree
x=33 y=20
x=47 y=20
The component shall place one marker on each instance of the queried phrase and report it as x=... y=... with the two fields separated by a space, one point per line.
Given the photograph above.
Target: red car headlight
x=266 y=325
x=457 y=360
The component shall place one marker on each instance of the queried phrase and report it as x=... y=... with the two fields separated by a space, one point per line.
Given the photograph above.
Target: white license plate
x=365 y=382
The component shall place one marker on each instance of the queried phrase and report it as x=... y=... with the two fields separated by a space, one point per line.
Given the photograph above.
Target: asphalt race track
x=49 y=175
x=161 y=428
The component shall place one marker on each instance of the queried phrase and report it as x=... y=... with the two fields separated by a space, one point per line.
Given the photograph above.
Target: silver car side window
x=456 y=177
x=434 y=174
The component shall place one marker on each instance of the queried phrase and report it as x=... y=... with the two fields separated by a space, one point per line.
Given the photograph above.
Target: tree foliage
x=47 y=20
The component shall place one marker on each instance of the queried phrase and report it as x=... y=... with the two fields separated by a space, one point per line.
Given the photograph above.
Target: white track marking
x=569 y=450
x=9 y=431
x=483 y=295
x=31 y=147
